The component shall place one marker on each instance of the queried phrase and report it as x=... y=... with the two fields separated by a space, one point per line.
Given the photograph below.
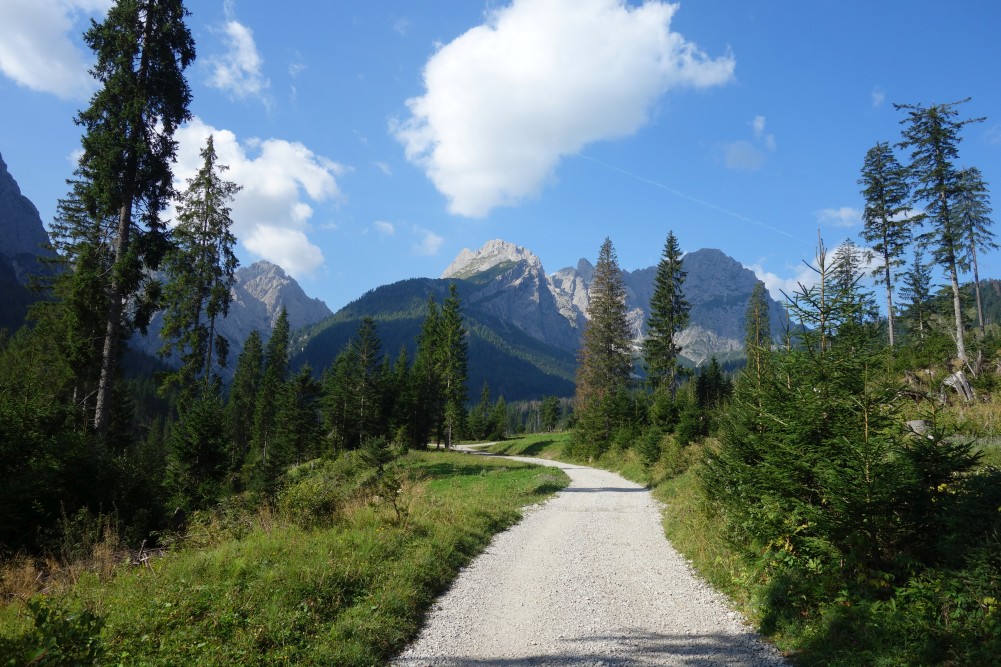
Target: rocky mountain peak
x=268 y=284
x=493 y=254
x=21 y=229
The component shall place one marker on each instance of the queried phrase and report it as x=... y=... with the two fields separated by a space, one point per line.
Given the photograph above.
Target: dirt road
x=587 y=578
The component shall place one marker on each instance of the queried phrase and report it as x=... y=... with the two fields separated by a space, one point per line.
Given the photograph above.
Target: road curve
x=586 y=578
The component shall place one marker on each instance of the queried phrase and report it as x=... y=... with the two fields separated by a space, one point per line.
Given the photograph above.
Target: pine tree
x=196 y=463
x=887 y=227
x=142 y=49
x=200 y=274
x=916 y=291
x=757 y=331
x=973 y=211
x=932 y=135
x=452 y=365
x=427 y=412
x=668 y=317
x=604 y=359
x=366 y=386
x=550 y=413
x=268 y=396
x=242 y=403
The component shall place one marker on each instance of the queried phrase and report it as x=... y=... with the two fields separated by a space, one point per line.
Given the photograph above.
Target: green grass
x=352 y=593
x=542 y=445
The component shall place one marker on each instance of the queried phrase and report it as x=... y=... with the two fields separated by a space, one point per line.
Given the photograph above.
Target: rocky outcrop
x=554 y=308
x=24 y=243
x=261 y=291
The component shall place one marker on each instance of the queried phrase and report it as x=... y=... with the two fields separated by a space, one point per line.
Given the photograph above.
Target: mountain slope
x=24 y=243
x=515 y=364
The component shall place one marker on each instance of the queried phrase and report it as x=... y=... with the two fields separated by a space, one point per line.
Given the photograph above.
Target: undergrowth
x=339 y=571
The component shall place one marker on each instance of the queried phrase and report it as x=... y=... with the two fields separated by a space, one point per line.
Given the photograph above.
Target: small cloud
x=743 y=155
x=878 y=97
x=779 y=287
x=401 y=26
x=845 y=216
x=384 y=228
x=288 y=248
x=428 y=243
x=384 y=168
x=238 y=70
x=994 y=135
x=74 y=157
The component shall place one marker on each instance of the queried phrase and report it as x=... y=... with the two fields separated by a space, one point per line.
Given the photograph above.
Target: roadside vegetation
x=341 y=570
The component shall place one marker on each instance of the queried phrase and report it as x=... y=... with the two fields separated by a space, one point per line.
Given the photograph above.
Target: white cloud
x=428 y=243
x=38 y=48
x=744 y=155
x=288 y=248
x=779 y=287
x=384 y=168
x=539 y=81
x=401 y=26
x=384 y=228
x=878 y=97
x=282 y=181
x=845 y=216
x=238 y=70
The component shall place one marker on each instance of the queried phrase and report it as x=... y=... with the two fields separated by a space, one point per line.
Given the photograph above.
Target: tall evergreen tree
x=973 y=213
x=887 y=227
x=932 y=135
x=427 y=410
x=142 y=49
x=604 y=359
x=916 y=291
x=200 y=274
x=757 y=332
x=242 y=403
x=452 y=365
x=668 y=317
x=268 y=396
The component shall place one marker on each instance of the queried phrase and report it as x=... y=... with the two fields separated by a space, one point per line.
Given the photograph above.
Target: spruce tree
x=605 y=358
x=973 y=213
x=267 y=403
x=142 y=49
x=427 y=412
x=242 y=403
x=452 y=365
x=200 y=274
x=887 y=227
x=916 y=292
x=932 y=134
x=757 y=332
x=668 y=317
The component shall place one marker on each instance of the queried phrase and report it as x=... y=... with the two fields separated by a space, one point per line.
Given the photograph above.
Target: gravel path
x=586 y=578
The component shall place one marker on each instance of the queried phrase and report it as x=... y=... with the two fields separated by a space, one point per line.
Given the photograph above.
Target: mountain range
x=524 y=324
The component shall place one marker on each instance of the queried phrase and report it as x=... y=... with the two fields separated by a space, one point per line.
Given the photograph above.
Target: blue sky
x=376 y=139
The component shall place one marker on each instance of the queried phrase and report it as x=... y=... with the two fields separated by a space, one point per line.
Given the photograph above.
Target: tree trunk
x=113 y=326
x=889 y=303
x=957 y=307
x=976 y=289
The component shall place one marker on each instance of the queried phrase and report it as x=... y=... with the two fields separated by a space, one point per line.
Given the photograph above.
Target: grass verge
x=288 y=591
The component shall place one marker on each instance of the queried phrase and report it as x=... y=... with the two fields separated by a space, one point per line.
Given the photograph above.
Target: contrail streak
x=696 y=200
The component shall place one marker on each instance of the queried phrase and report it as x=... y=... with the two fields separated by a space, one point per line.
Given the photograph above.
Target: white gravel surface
x=587 y=578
